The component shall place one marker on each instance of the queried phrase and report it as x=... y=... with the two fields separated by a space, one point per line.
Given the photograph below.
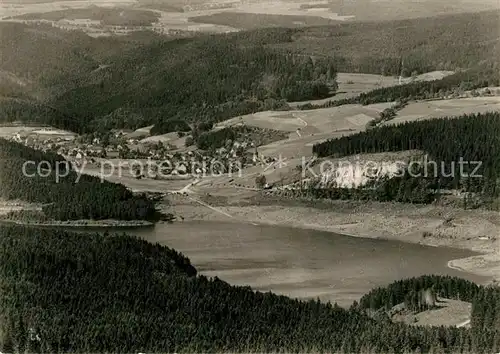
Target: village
x=174 y=154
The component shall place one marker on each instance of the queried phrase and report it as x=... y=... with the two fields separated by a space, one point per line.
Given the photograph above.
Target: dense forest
x=83 y=292
x=208 y=79
x=33 y=112
x=485 y=316
x=144 y=79
x=448 y=42
x=397 y=292
x=47 y=178
x=463 y=152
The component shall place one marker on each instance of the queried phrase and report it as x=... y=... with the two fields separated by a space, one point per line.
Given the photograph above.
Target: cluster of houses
x=194 y=162
x=232 y=157
x=61 y=144
x=41 y=142
x=211 y=6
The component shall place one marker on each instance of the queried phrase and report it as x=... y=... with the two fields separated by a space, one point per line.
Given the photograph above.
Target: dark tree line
x=486 y=74
x=69 y=196
x=217 y=138
x=485 y=316
x=225 y=137
x=462 y=152
x=404 y=189
x=202 y=79
x=68 y=292
x=443 y=286
x=33 y=112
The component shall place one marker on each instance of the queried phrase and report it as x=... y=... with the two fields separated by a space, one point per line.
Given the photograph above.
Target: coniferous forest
x=146 y=79
x=84 y=292
x=80 y=292
x=462 y=153
x=62 y=196
x=208 y=79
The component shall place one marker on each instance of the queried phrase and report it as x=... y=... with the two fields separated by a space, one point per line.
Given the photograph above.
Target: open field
x=348 y=119
x=170 y=138
x=333 y=119
x=228 y=16
x=16 y=8
x=122 y=172
x=313 y=126
x=440 y=108
x=449 y=313
x=7 y=206
x=353 y=84
x=97 y=15
x=287 y=14
x=7 y=131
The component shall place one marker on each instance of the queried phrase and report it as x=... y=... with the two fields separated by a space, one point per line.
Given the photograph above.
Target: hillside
x=47 y=178
x=461 y=154
x=145 y=79
x=205 y=79
x=51 y=59
x=300 y=13
x=446 y=42
x=101 y=293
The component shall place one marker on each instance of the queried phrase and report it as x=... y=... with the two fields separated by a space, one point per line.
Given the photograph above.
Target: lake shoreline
x=83 y=224
x=429 y=225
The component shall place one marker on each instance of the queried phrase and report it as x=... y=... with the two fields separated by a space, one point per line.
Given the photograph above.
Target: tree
x=189 y=141
x=260 y=181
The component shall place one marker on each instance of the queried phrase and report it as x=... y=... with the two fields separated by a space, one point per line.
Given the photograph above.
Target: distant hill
x=315 y=12
x=66 y=196
x=107 y=16
x=146 y=79
x=447 y=42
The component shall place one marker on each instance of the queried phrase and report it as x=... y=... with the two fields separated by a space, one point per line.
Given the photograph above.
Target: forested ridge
x=448 y=42
x=207 y=79
x=146 y=79
x=463 y=153
x=69 y=195
x=83 y=292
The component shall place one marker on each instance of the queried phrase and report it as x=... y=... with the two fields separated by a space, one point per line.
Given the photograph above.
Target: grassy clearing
x=441 y=108
x=353 y=84
x=448 y=313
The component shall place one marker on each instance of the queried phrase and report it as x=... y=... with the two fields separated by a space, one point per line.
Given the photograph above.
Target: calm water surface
x=298 y=262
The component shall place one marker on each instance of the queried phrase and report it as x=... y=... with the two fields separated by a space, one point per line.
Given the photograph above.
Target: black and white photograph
x=250 y=176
